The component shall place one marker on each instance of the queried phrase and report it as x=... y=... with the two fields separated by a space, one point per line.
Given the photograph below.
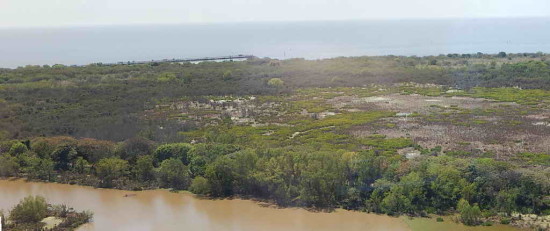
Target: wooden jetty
x=230 y=58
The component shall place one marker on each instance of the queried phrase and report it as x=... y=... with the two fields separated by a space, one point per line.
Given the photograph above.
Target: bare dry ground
x=473 y=125
x=459 y=125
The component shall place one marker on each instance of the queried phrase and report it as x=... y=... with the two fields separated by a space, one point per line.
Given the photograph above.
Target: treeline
x=107 y=102
x=373 y=180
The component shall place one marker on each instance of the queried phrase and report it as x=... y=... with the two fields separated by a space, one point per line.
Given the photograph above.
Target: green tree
x=81 y=165
x=353 y=200
x=506 y=200
x=203 y=154
x=414 y=190
x=198 y=165
x=245 y=167
x=110 y=169
x=174 y=174
x=177 y=150
x=371 y=166
x=144 y=168
x=132 y=148
x=321 y=176
x=64 y=157
x=221 y=175
x=406 y=196
x=41 y=168
x=18 y=148
x=469 y=215
x=396 y=202
x=447 y=187
x=29 y=210
x=94 y=150
x=166 y=77
x=469 y=191
x=374 y=203
x=200 y=185
x=227 y=75
x=275 y=82
x=8 y=166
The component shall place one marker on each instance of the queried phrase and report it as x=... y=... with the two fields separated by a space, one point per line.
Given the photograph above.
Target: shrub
x=505 y=221
x=111 y=169
x=44 y=146
x=144 y=168
x=173 y=174
x=60 y=210
x=73 y=222
x=18 y=148
x=275 y=82
x=200 y=185
x=94 y=150
x=469 y=215
x=177 y=150
x=134 y=147
x=8 y=166
x=29 y=210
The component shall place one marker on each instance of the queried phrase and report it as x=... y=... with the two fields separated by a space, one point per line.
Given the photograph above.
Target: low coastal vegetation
x=106 y=102
x=34 y=213
x=457 y=134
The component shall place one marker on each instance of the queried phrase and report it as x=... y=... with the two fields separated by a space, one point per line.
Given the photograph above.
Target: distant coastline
x=309 y=40
x=240 y=57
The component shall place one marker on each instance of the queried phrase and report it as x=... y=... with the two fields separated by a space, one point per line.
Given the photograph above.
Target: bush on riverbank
x=29 y=210
x=34 y=213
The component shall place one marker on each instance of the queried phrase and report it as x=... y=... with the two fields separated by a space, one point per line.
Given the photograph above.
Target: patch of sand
x=51 y=222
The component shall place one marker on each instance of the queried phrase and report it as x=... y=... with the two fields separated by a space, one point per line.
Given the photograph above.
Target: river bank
x=164 y=210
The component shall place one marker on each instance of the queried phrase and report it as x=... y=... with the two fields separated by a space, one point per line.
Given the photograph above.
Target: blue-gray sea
x=310 y=40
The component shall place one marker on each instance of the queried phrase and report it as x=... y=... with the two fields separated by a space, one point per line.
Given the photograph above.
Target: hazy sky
x=38 y=13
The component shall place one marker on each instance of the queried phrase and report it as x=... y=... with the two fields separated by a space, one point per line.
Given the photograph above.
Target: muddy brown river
x=163 y=210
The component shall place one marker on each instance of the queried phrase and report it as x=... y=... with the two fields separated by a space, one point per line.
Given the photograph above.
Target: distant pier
x=230 y=58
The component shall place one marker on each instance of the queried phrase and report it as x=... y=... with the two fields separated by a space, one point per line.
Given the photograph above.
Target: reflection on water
x=162 y=210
